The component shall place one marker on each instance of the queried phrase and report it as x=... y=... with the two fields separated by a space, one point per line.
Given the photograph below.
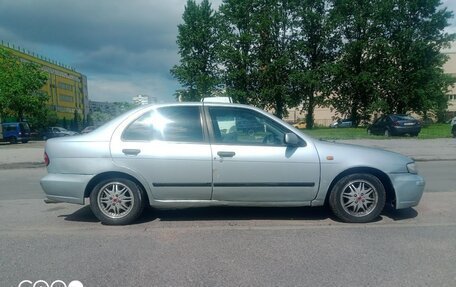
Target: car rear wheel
x=357 y=198
x=117 y=201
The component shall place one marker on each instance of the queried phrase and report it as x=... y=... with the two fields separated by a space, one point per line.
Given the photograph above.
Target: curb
x=19 y=165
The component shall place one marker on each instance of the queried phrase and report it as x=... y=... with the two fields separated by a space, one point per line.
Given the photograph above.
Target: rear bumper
x=409 y=189
x=406 y=130
x=65 y=187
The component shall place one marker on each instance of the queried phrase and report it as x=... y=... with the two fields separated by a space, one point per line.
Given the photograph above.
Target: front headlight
x=411 y=167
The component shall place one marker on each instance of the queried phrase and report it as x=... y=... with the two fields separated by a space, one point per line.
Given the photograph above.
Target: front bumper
x=409 y=189
x=65 y=187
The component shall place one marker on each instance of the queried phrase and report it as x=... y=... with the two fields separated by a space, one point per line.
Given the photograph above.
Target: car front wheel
x=357 y=198
x=117 y=201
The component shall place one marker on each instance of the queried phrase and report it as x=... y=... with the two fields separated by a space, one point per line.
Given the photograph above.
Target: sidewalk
x=22 y=155
x=420 y=150
x=31 y=154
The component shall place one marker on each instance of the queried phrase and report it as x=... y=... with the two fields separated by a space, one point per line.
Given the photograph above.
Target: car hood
x=360 y=156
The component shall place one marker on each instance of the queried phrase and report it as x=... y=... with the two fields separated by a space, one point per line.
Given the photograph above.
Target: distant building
x=450 y=68
x=141 y=100
x=103 y=107
x=144 y=100
x=66 y=88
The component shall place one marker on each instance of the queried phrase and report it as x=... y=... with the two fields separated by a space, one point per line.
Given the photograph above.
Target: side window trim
x=210 y=126
x=204 y=132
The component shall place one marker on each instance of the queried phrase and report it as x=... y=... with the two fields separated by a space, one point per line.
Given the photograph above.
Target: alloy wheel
x=115 y=200
x=359 y=198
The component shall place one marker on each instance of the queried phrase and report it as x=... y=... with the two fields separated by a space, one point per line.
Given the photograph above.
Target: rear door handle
x=226 y=153
x=131 y=151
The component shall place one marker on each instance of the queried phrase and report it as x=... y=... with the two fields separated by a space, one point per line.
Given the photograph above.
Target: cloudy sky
x=124 y=48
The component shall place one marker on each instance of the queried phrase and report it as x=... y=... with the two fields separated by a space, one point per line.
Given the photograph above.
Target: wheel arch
x=113 y=174
x=385 y=180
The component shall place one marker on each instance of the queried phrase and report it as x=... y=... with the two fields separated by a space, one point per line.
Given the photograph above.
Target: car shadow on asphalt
x=83 y=214
x=224 y=213
x=237 y=213
x=400 y=214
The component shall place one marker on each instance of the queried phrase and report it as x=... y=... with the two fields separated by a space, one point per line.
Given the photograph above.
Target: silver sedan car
x=199 y=154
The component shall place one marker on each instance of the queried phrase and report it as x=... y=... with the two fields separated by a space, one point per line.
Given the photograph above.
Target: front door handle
x=226 y=153
x=131 y=151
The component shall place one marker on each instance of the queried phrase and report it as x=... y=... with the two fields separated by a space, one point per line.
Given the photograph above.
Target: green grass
x=429 y=132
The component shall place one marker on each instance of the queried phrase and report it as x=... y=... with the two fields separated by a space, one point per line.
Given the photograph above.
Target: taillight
x=46 y=159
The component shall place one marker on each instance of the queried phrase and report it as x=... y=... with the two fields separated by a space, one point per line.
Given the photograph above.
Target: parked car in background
x=453 y=127
x=88 y=129
x=15 y=132
x=346 y=123
x=395 y=125
x=54 y=132
x=300 y=125
x=177 y=155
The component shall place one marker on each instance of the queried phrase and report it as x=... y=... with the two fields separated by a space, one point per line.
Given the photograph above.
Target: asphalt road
x=228 y=246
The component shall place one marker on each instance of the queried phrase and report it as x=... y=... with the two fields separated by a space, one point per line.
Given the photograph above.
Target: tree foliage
x=197 y=70
x=357 y=56
x=314 y=45
x=411 y=44
x=20 y=84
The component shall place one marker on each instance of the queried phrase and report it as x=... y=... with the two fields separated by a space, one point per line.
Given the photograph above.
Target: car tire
x=117 y=201
x=24 y=141
x=387 y=133
x=369 y=132
x=12 y=140
x=358 y=198
x=414 y=134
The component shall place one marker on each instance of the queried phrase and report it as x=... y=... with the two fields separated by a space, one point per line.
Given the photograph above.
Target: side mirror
x=291 y=139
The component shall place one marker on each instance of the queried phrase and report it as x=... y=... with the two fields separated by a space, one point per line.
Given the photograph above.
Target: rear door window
x=177 y=124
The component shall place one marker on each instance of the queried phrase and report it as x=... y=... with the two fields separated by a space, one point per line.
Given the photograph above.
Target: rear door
x=169 y=148
x=253 y=164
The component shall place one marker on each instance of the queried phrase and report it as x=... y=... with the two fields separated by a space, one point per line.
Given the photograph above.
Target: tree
x=75 y=123
x=197 y=70
x=410 y=47
x=314 y=44
x=255 y=52
x=390 y=60
x=356 y=70
x=20 y=84
x=236 y=49
x=64 y=123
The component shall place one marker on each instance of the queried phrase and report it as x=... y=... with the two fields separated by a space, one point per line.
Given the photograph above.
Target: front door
x=253 y=164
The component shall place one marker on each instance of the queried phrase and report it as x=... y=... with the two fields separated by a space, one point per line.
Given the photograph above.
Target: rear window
x=179 y=124
x=402 y=118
